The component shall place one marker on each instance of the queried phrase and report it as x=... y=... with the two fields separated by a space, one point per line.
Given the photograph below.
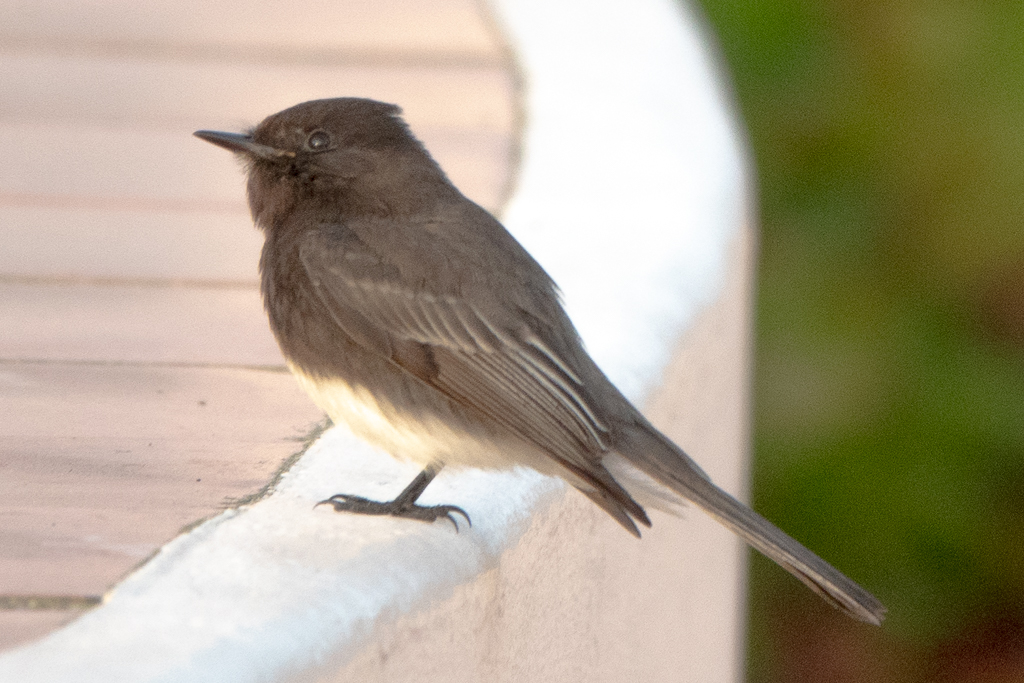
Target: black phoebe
x=409 y=313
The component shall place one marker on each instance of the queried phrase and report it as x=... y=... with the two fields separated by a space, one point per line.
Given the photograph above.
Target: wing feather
x=511 y=375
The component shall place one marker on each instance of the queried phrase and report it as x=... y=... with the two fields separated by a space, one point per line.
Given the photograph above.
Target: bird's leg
x=404 y=505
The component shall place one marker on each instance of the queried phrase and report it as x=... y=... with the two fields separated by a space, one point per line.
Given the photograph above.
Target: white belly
x=422 y=441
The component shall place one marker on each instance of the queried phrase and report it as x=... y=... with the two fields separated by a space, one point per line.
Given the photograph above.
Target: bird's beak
x=242 y=144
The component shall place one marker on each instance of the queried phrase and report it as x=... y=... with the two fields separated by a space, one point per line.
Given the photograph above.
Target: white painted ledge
x=633 y=195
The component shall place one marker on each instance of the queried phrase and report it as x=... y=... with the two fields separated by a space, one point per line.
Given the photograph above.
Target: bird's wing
x=511 y=375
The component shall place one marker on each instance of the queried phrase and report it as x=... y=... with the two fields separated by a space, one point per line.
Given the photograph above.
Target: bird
x=409 y=313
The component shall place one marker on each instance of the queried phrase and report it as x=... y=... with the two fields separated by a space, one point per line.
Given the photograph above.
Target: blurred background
x=889 y=397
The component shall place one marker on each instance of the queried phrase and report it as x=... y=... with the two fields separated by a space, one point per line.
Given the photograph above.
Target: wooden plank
x=103 y=464
x=439 y=26
x=117 y=323
x=171 y=93
x=91 y=239
x=18 y=627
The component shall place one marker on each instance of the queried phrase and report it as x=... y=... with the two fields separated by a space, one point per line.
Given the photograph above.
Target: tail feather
x=659 y=458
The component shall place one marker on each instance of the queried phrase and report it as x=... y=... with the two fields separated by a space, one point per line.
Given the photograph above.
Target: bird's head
x=351 y=153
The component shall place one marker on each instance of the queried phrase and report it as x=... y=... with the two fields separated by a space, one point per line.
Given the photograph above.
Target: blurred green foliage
x=889 y=397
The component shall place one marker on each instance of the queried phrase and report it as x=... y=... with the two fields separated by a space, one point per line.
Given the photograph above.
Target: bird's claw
x=343 y=502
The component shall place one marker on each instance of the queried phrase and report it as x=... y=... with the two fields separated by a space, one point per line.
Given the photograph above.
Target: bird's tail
x=655 y=455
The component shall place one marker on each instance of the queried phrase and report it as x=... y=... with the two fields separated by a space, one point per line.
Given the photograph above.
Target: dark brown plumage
x=410 y=313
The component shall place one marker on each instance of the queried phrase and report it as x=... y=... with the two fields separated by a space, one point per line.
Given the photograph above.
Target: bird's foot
x=343 y=502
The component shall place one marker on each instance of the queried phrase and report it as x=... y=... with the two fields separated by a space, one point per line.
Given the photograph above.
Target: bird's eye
x=318 y=141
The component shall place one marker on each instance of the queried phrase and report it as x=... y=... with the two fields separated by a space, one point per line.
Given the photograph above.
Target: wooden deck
x=140 y=387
